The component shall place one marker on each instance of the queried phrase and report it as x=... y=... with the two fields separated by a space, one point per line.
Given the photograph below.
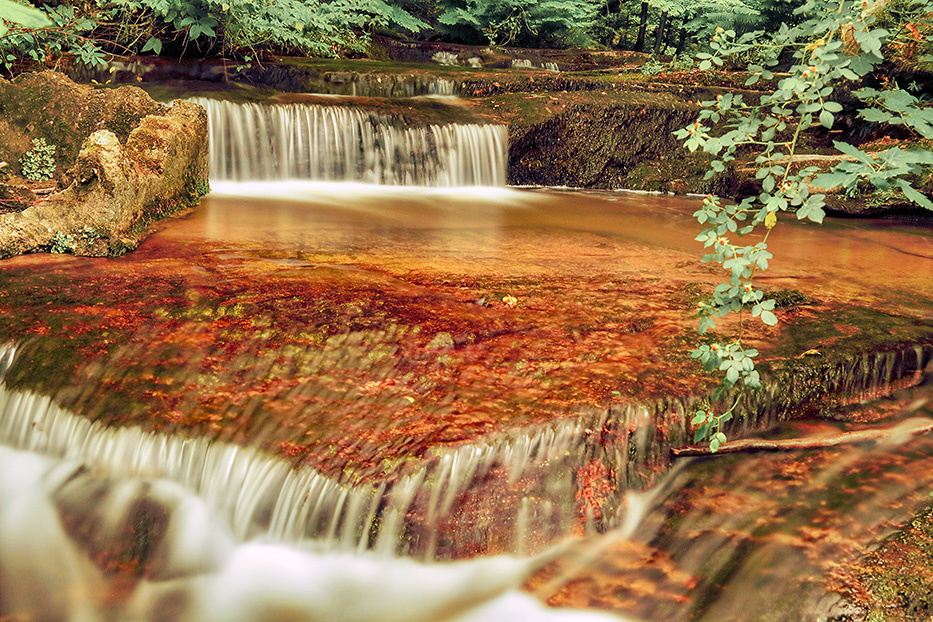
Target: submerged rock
x=123 y=159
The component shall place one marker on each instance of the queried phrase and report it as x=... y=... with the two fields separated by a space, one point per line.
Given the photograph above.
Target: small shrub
x=39 y=163
x=62 y=243
x=684 y=62
x=89 y=234
x=652 y=67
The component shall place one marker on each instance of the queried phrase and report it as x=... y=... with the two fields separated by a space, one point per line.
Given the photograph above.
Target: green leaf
x=25 y=15
x=826 y=118
x=855 y=152
x=152 y=44
x=769 y=318
x=732 y=374
x=875 y=115
x=911 y=193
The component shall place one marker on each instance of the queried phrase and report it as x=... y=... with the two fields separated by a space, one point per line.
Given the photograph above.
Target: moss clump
x=789 y=298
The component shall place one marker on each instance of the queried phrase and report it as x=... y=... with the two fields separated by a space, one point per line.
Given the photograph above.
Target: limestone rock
x=132 y=161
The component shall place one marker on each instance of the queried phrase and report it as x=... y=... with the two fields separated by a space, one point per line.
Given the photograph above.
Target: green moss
x=846 y=331
x=789 y=298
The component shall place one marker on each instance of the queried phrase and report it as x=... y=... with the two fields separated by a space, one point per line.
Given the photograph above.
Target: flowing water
x=251 y=142
x=183 y=437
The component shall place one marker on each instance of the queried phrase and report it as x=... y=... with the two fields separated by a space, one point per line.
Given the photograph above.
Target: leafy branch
x=836 y=44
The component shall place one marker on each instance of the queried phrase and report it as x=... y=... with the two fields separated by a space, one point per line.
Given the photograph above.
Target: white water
x=253 y=142
x=73 y=493
x=258 y=495
x=198 y=571
x=352 y=195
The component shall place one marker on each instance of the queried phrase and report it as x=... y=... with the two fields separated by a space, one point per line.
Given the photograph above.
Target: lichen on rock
x=126 y=161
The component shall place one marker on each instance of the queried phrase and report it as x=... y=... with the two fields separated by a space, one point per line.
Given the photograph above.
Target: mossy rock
x=617 y=145
x=895 y=582
x=126 y=160
x=49 y=105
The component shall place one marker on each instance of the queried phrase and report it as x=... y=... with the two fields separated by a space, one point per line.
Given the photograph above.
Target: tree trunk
x=659 y=35
x=682 y=39
x=671 y=38
x=642 y=27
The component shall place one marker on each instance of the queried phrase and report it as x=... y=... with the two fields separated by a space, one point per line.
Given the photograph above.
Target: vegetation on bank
x=93 y=29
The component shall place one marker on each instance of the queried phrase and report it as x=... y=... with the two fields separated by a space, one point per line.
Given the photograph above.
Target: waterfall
x=529 y=471
x=80 y=544
x=254 y=142
x=257 y=494
x=537 y=475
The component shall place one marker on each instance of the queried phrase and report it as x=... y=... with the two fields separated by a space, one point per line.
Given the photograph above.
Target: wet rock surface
x=357 y=341
x=771 y=537
x=612 y=146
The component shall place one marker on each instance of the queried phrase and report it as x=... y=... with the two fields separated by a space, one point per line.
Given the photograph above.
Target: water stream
x=437 y=399
x=251 y=142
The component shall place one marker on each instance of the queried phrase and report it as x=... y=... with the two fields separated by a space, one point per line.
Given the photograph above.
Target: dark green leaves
x=153 y=44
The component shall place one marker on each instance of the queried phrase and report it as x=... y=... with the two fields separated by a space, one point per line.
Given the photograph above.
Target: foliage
x=67 y=243
x=911 y=42
x=39 y=162
x=836 y=42
x=232 y=27
x=676 y=25
x=54 y=30
x=558 y=23
x=246 y=27
x=652 y=66
x=62 y=243
x=23 y=15
x=702 y=17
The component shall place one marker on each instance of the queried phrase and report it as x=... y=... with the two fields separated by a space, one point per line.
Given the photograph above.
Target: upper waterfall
x=265 y=142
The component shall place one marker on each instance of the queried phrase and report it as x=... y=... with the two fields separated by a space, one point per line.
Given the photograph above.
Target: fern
x=502 y=22
x=243 y=27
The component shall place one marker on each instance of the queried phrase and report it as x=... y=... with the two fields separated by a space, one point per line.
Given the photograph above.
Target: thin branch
x=911 y=427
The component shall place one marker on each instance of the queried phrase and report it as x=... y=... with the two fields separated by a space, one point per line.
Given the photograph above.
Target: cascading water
x=254 y=142
x=141 y=526
x=257 y=495
x=146 y=527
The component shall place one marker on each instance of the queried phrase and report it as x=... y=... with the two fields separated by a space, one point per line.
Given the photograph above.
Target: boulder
x=123 y=160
